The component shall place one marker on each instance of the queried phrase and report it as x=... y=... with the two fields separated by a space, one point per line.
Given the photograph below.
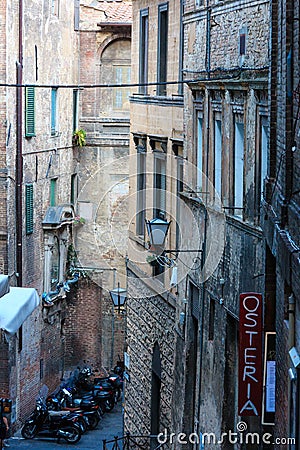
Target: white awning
x=16 y=306
x=4 y=285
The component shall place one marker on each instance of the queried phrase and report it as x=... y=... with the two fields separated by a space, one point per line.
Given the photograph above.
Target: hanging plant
x=79 y=138
x=152 y=260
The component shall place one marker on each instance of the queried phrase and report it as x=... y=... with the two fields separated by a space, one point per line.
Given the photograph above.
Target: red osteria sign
x=250 y=355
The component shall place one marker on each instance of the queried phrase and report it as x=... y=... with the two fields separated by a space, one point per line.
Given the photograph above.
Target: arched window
x=115 y=68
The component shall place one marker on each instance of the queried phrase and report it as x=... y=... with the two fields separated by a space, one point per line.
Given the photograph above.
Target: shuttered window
x=53 y=183
x=29 y=208
x=53 y=111
x=30 y=112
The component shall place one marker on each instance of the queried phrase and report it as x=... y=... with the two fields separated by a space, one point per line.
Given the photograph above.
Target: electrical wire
x=236 y=72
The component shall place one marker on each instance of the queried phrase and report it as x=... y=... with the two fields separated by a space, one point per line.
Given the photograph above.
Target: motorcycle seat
x=58 y=413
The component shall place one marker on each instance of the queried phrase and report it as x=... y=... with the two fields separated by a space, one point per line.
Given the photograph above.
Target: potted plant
x=79 y=138
x=152 y=260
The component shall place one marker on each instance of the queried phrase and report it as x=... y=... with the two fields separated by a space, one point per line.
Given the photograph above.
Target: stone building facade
x=281 y=214
x=226 y=129
x=49 y=185
x=155 y=158
x=189 y=359
x=37 y=166
x=101 y=243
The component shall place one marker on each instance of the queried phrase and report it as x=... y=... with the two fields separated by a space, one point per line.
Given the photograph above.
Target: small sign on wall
x=250 y=355
x=269 y=405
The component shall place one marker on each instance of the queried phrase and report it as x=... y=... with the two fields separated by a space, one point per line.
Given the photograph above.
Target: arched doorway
x=155 y=393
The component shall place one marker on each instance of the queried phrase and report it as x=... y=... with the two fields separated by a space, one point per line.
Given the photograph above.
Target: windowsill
x=54 y=135
x=138 y=239
x=175 y=100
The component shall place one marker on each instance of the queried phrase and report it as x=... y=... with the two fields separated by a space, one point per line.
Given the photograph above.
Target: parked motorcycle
x=112 y=383
x=63 y=401
x=56 y=424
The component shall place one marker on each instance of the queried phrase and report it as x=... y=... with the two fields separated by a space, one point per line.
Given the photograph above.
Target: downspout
x=19 y=157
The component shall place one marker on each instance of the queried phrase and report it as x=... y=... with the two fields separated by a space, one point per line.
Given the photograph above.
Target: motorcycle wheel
x=119 y=393
x=28 y=431
x=93 y=422
x=73 y=434
x=109 y=405
x=83 y=425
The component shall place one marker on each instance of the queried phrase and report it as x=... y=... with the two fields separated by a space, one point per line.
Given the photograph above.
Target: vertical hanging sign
x=250 y=355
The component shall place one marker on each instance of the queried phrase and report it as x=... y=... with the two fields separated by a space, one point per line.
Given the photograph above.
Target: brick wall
x=282 y=224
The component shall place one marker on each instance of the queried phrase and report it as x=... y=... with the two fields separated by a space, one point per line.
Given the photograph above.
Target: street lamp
x=118 y=296
x=157 y=231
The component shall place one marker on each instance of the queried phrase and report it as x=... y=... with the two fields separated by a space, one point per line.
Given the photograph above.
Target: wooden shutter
x=53 y=192
x=30 y=112
x=53 y=110
x=29 y=208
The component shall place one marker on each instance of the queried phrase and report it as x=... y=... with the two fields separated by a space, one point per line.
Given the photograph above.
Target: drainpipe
x=19 y=157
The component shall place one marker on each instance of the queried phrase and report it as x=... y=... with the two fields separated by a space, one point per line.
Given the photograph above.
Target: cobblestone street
x=111 y=425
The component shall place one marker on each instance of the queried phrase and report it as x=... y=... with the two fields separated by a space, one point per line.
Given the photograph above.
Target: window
x=53 y=111
x=141 y=193
x=74 y=188
x=54 y=266
x=263 y=152
x=199 y=153
x=121 y=95
x=29 y=208
x=159 y=185
x=53 y=185
x=238 y=168
x=75 y=109
x=30 y=111
x=76 y=14
x=261 y=162
x=218 y=157
x=211 y=324
x=158 y=271
x=36 y=63
x=179 y=188
x=242 y=41
x=143 y=62
x=55 y=7
x=162 y=49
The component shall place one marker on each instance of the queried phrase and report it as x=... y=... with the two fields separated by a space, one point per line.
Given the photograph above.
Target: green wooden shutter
x=29 y=208
x=53 y=191
x=30 y=112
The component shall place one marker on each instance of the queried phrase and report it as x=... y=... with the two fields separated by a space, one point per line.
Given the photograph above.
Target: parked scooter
x=63 y=401
x=107 y=384
x=56 y=424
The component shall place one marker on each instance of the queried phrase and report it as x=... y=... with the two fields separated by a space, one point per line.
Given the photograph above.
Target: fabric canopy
x=4 y=285
x=16 y=306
